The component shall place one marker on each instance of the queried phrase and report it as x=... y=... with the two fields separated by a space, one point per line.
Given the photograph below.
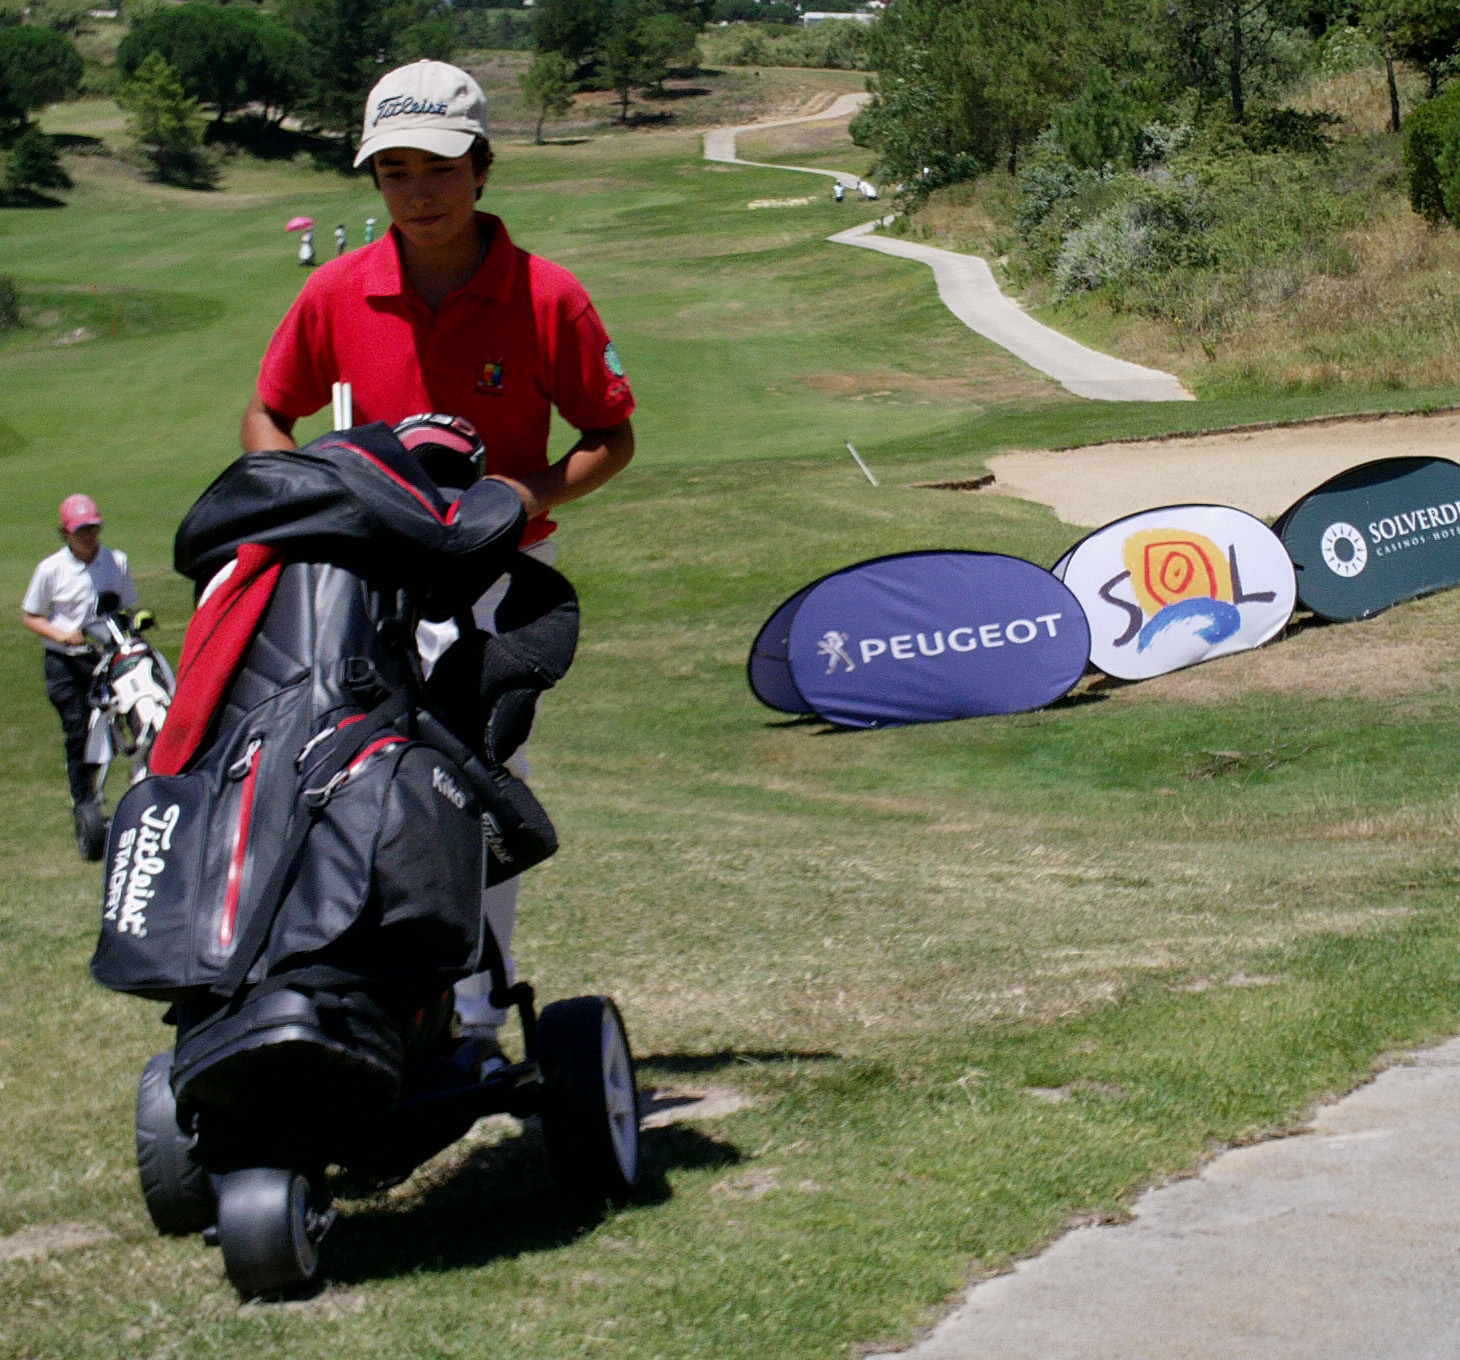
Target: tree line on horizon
x=962 y=87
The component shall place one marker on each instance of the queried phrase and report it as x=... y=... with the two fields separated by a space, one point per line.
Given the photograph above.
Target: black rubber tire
x=178 y=1192
x=90 y=823
x=264 y=1228
x=590 y=1110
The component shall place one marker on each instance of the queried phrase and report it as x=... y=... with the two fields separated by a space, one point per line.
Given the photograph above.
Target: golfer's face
x=85 y=542
x=430 y=199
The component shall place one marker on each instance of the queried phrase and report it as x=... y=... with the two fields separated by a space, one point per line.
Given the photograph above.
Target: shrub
x=34 y=164
x=1345 y=48
x=1100 y=126
x=10 y=316
x=1159 y=229
x=1432 y=157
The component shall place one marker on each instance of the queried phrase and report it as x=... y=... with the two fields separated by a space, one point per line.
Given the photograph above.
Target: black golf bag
x=302 y=882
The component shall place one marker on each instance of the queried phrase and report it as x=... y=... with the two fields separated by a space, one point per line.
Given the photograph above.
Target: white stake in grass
x=852 y=449
x=344 y=399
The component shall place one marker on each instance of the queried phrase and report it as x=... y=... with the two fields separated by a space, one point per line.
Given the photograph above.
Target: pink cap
x=77 y=512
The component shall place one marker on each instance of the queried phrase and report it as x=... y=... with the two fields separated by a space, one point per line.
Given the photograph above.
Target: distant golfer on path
x=445 y=314
x=838 y=191
x=58 y=608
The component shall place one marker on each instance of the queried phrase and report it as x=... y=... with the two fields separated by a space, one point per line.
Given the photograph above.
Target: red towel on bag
x=217 y=641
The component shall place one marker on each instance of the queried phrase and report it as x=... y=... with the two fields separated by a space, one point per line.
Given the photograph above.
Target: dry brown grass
x=1408 y=651
x=1361 y=98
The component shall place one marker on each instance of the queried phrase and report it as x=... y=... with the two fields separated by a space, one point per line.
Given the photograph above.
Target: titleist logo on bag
x=138 y=864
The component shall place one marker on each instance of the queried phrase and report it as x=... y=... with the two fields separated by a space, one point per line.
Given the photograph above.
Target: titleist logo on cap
x=397 y=104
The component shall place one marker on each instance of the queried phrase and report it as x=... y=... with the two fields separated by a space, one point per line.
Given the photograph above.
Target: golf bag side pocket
x=154 y=868
x=519 y=833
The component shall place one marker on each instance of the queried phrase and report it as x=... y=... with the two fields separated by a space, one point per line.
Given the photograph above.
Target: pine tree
x=547 y=86
x=34 y=164
x=166 y=123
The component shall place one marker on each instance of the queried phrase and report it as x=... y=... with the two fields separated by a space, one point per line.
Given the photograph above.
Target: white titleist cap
x=428 y=105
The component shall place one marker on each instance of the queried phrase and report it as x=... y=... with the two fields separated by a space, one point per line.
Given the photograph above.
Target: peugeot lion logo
x=833 y=646
x=1344 y=551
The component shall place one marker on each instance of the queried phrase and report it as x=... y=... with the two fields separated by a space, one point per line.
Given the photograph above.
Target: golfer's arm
x=43 y=627
x=597 y=456
x=264 y=428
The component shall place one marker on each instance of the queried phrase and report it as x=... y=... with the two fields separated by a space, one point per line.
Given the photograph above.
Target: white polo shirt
x=64 y=589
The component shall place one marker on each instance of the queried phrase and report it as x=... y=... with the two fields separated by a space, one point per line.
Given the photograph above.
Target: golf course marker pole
x=344 y=399
x=852 y=449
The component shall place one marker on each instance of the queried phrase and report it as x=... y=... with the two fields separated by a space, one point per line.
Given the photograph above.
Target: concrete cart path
x=967 y=288
x=1341 y=1243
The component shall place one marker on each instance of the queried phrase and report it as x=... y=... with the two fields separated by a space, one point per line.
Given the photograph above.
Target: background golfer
x=58 y=607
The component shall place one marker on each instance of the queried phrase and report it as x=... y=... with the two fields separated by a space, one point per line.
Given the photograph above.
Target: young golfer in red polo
x=444 y=313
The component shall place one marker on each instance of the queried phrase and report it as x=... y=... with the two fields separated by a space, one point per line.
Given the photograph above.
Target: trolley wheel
x=269 y=1230
x=590 y=1109
x=90 y=823
x=178 y=1192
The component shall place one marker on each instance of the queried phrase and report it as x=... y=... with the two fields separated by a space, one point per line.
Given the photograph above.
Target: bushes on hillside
x=1432 y=157
x=834 y=44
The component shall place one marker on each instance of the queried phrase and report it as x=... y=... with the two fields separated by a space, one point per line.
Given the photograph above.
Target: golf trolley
x=301 y=875
x=269 y=1208
x=131 y=688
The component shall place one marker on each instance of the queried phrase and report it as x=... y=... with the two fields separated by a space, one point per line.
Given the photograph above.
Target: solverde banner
x=922 y=637
x=1171 y=587
x=1375 y=535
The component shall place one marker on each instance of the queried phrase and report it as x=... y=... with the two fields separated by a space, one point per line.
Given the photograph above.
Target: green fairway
x=973 y=979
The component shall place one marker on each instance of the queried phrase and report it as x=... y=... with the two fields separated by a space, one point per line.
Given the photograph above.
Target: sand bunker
x=1260 y=471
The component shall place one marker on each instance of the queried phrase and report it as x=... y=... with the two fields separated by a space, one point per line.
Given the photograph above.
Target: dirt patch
x=662 y=1106
x=1061 y=1095
x=50 y=1239
x=1260 y=471
x=797 y=140
x=748 y=1185
x=1404 y=651
x=1001 y=378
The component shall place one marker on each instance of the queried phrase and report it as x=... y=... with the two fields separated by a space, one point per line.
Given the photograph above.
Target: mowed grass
x=974 y=979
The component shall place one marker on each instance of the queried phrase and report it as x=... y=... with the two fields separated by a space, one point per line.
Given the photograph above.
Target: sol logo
x=1344 y=551
x=1179 y=576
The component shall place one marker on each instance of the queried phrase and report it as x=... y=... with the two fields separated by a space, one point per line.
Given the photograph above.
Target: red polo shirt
x=519 y=337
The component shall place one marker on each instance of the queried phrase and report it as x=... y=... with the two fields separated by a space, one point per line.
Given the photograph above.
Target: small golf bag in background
x=301 y=876
x=131 y=688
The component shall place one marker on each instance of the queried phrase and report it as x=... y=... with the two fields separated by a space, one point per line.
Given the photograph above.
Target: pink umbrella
x=299 y=224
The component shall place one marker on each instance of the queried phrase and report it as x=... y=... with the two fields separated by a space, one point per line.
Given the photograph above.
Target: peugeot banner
x=1375 y=535
x=922 y=637
x=1171 y=587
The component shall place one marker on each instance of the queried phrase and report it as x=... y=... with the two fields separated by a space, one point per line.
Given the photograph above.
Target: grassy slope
x=1373 y=309
x=885 y=938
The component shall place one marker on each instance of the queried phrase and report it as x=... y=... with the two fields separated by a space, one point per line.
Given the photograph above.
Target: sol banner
x=1171 y=587
x=922 y=637
x=1375 y=535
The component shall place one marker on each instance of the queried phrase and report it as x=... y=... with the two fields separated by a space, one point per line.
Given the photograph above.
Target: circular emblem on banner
x=1376 y=535
x=1344 y=551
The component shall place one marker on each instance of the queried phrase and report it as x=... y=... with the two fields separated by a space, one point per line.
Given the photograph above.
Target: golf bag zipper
x=246 y=767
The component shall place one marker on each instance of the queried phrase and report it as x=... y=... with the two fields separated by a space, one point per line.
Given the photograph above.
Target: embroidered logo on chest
x=491 y=379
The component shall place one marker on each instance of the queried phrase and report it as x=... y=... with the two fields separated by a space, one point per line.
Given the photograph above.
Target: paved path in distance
x=1342 y=1243
x=967 y=288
